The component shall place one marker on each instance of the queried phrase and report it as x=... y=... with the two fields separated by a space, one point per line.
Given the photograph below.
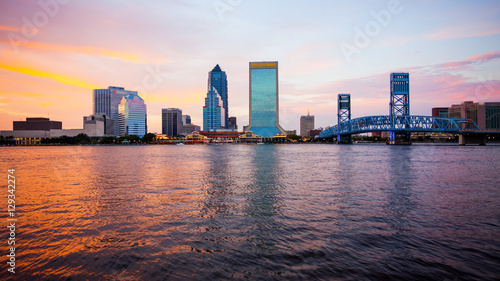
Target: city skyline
x=53 y=55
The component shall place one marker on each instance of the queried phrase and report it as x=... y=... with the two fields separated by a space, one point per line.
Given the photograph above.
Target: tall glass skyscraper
x=213 y=112
x=106 y=101
x=132 y=116
x=264 y=99
x=217 y=79
x=171 y=121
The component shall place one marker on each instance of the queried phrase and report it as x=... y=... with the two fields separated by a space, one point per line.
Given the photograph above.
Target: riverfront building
x=440 y=111
x=106 y=101
x=213 y=112
x=306 y=124
x=264 y=99
x=186 y=119
x=217 y=79
x=171 y=121
x=132 y=116
x=485 y=114
x=36 y=123
x=233 y=124
x=98 y=125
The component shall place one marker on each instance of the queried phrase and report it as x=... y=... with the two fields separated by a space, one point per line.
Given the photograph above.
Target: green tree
x=149 y=137
x=81 y=139
x=293 y=137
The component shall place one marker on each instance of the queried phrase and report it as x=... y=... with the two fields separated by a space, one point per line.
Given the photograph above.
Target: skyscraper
x=171 y=121
x=213 y=112
x=306 y=124
x=217 y=79
x=106 y=101
x=186 y=119
x=232 y=123
x=132 y=116
x=264 y=99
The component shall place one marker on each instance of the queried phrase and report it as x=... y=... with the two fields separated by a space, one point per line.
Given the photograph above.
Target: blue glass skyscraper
x=213 y=112
x=217 y=79
x=132 y=116
x=264 y=99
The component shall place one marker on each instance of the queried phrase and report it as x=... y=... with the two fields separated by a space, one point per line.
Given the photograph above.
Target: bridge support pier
x=399 y=138
x=464 y=139
x=344 y=139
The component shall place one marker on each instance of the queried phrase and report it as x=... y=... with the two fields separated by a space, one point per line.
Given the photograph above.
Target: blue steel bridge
x=399 y=122
x=410 y=123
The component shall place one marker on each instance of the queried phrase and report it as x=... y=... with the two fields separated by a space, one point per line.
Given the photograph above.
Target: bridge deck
x=410 y=123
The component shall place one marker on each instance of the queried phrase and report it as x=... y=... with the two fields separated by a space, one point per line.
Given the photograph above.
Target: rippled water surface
x=258 y=212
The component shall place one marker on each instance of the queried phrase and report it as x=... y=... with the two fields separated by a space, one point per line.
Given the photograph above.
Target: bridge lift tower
x=399 y=106
x=344 y=115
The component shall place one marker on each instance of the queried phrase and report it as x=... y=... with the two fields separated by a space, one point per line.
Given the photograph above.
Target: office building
x=98 y=125
x=36 y=123
x=186 y=119
x=188 y=129
x=213 y=112
x=132 y=116
x=489 y=115
x=440 y=111
x=455 y=111
x=171 y=121
x=291 y=132
x=106 y=101
x=306 y=124
x=232 y=123
x=485 y=114
x=217 y=79
x=264 y=99
x=312 y=133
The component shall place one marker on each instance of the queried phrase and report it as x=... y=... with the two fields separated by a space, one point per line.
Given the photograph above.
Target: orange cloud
x=81 y=49
x=87 y=50
x=8 y=28
x=44 y=74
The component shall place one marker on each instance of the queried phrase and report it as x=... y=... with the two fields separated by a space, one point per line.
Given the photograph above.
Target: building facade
x=306 y=124
x=213 y=112
x=491 y=113
x=106 y=101
x=217 y=79
x=188 y=129
x=186 y=119
x=36 y=123
x=171 y=121
x=440 y=111
x=264 y=99
x=485 y=114
x=233 y=125
x=132 y=116
x=98 y=125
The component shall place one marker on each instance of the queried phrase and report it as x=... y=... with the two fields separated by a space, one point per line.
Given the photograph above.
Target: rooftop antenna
x=308 y=112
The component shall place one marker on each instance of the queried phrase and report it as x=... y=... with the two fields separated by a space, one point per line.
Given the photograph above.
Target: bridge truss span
x=408 y=123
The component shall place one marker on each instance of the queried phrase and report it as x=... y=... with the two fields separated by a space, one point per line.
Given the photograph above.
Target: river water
x=254 y=212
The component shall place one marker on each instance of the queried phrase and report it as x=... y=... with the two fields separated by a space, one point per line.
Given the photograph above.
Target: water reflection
x=401 y=200
x=256 y=212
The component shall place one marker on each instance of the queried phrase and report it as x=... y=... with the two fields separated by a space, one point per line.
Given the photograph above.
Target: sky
x=53 y=53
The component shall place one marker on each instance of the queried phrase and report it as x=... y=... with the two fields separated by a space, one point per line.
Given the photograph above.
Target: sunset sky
x=53 y=53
